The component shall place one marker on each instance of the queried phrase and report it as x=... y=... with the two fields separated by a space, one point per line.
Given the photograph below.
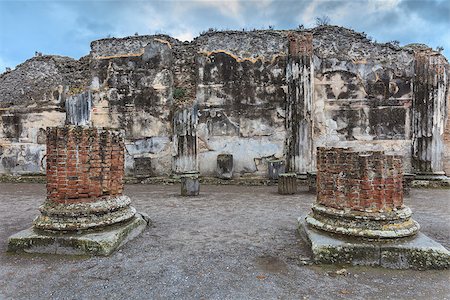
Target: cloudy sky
x=66 y=27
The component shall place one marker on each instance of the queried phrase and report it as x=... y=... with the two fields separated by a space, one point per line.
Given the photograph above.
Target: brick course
x=84 y=163
x=360 y=181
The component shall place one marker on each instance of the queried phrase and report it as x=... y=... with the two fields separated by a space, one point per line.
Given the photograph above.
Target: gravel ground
x=231 y=242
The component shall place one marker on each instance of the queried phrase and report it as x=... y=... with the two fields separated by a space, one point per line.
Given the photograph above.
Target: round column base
x=86 y=215
x=376 y=225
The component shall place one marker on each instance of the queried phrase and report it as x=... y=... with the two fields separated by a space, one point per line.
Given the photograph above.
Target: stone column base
x=416 y=252
x=90 y=242
x=85 y=215
x=375 y=225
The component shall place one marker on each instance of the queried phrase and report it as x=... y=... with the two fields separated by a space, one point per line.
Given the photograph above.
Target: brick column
x=360 y=194
x=85 y=168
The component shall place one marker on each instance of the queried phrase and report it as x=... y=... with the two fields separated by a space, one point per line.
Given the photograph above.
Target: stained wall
x=258 y=95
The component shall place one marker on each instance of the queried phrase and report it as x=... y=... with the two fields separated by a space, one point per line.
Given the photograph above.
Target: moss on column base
x=416 y=252
x=100 y=242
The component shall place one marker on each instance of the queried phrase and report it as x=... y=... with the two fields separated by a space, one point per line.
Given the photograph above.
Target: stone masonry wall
x=372 y=181
x=33 y=97
x=241 y=93
x=83 y=163
x=363 y=93
x=253 y=96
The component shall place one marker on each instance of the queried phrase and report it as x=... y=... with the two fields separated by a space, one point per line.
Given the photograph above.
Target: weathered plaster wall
x=132 y=83
x=241 y=95
x=363 y=93
x=257 y=95
x=32 y=97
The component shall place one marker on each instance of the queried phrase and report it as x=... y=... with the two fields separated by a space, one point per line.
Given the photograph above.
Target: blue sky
x=66 y=27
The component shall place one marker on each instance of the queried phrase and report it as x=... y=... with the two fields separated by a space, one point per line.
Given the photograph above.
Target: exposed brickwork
x=84 y=163
x=361 y=181
x=300 y=44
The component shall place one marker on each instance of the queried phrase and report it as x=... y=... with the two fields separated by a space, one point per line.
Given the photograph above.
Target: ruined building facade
x=257 y=95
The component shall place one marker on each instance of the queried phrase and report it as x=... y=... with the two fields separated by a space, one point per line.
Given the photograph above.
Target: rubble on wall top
x=144 y=38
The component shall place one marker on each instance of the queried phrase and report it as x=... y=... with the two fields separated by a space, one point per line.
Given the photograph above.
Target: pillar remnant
x=359 y=216
x=298 y=122
x=185 y=140
x=275 y=168
x=190 y=184
x=312 y=182
x=431 y=90
x=407 y=182
x=287 y=183
x=85 y=169
x=355 y=186
x=225 y=166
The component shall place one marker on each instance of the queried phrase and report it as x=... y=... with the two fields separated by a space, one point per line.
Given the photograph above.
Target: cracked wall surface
x=258 y=95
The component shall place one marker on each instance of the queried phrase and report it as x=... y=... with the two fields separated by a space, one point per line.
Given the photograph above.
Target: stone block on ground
x=190 y=184
x=407 y=181
x=287 y=184
x=312 y=182
x=142 y=167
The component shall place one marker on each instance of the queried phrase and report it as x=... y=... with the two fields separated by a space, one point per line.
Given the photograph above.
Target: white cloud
x=183 y=35
x=228 y=8
x=309 y=14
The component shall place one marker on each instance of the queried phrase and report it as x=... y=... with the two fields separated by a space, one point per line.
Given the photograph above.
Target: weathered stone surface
x=407 y=182
x=360 y=194
x=142 y=167
x=417 y=252
x=312 y=182
x=225 y=166
x=185 y=140
x=275 y=168
x=287 y=183
x=102 y=242
x=299 y=99
x=261 y=95
x=431 y=84
x=190 y=184
x=79 y=216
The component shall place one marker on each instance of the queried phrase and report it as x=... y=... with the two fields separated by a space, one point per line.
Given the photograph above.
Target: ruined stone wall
x=257 y=95
x=132 y=83
x=33 y=97
x=241 y=95
x=363 y=93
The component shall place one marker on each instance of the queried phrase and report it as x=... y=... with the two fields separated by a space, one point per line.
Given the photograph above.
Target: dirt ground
x=231 y=242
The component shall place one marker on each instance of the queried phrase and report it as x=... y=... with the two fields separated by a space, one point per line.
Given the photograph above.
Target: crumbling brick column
x=360 y=194
x=85 y=168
